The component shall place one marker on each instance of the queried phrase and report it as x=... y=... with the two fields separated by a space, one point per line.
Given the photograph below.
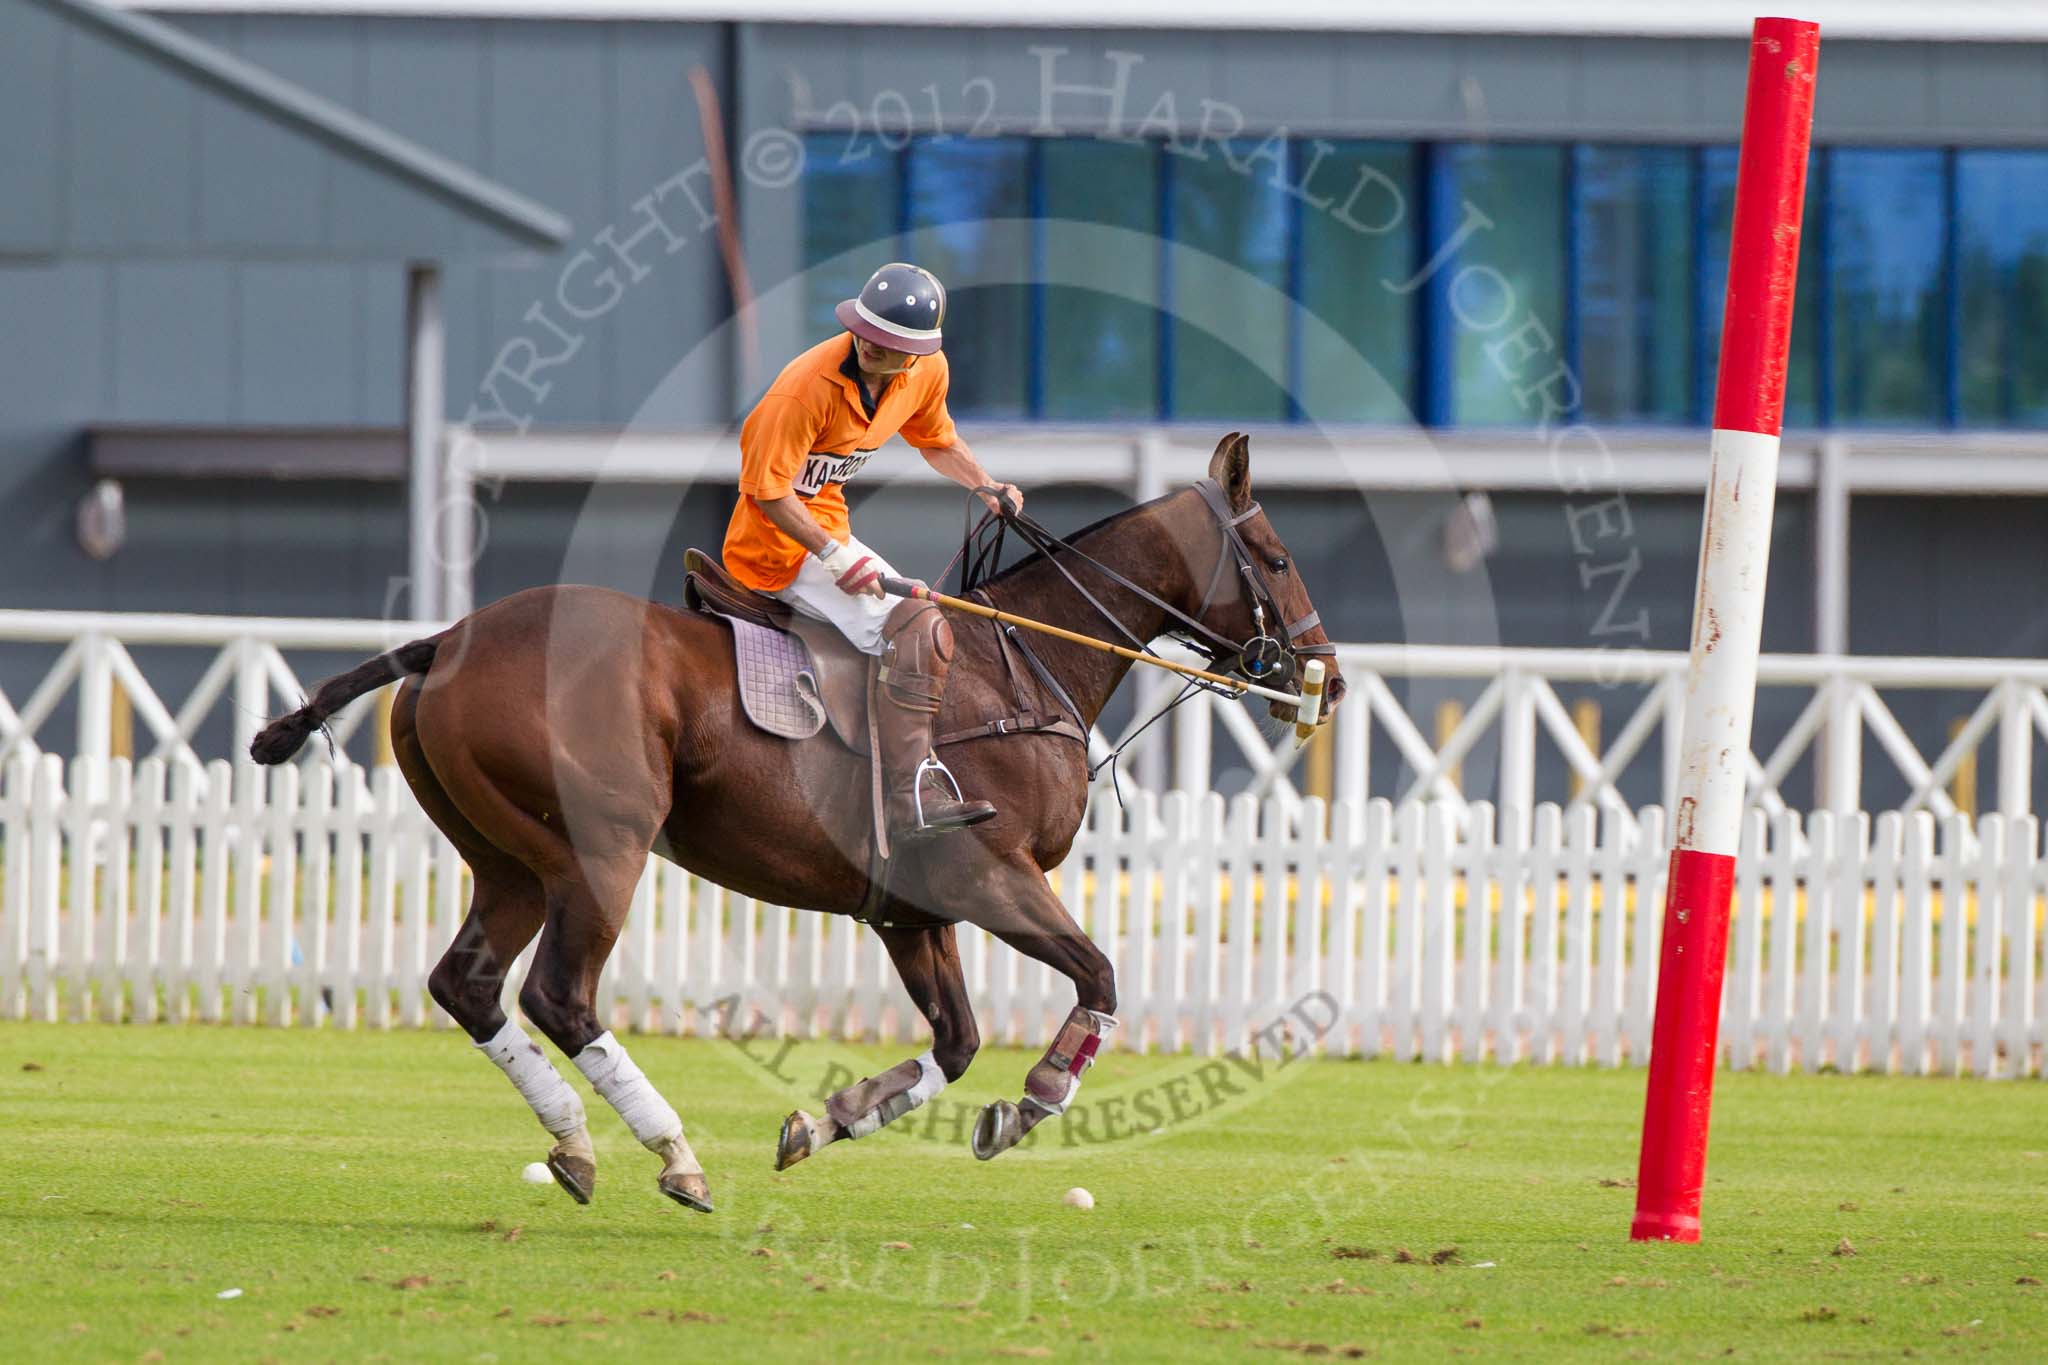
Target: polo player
x=790 y=536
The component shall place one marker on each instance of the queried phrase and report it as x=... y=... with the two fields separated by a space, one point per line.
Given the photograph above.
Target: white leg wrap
x=612 y=1074
x=556 y=1105
x=930 y=1081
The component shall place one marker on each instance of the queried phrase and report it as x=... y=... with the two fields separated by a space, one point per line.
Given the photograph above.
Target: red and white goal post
x=1727 y=624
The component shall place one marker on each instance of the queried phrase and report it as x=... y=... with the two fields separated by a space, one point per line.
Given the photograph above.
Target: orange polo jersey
x=808 y=435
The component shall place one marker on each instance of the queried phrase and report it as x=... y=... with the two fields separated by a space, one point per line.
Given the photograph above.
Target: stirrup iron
x=931 y=764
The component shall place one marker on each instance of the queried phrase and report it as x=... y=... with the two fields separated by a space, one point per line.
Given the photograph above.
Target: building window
x=1803 y=367
x=1633 y=229
x=968 y=205
x=1503 y=275
x=851 y=206
x=2002 y=273
x=1356 y=252
x=1215 y=294
x=1100 y=329
x=1889 y=309
x=1227 y=282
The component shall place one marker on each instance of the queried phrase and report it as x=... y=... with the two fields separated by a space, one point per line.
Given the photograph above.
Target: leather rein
x=1263 y=657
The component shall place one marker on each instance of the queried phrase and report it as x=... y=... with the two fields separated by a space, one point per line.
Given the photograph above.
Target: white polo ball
x=1078 y=1198
x=537 y=1173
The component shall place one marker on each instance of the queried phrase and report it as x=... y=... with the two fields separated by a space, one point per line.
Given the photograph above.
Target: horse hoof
x=999 y=1128
x=574 y=1174
x=794 y=1144
x=689 y=1189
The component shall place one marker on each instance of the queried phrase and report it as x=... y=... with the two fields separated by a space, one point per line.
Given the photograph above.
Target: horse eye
x=1277 y=565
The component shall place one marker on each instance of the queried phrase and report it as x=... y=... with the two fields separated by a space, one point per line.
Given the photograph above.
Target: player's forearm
x=788 y=515
x=957 y=463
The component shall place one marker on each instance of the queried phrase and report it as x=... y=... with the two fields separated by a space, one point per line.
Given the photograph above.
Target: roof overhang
x=201 y=151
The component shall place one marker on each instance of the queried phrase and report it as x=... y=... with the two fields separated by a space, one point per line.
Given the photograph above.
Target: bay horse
x=561 y=734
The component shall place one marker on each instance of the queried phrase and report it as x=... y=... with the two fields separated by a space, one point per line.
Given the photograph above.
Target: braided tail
x=283 y=737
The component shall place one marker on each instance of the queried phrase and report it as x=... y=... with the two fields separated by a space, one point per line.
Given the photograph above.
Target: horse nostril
x=1333 y=693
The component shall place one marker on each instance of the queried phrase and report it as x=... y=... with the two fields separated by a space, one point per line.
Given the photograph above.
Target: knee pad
x=917 y=647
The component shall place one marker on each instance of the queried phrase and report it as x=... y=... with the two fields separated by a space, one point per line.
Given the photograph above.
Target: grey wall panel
x=1875 y=90
x=547 y=81
x=132 y=137
x=1987 y=85
x=298 y=335
x=1505 y=90
x=257 y=186
x=56 y=357
x=53 y=376
x=29 y=131
x=175 y=336
x=425 y=80
x=1392 y=80
x=1614 y=73
x=892 y=67
x=1014 y=91
x=665 y=314
x=380 y=311
x=1178 y=70
x=325 y=58
x=1273 y=80
x=800 y=67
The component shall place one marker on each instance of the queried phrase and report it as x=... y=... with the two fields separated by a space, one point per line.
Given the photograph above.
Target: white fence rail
x=1516 y=717
x=314 y=896
x=1843 y=709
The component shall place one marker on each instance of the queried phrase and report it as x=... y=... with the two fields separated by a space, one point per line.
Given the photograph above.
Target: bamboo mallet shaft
x=903 y=587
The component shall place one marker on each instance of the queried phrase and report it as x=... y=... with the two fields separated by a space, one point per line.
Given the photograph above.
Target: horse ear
x=1231 y=466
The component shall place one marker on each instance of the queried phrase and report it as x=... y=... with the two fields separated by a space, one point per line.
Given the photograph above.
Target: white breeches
x=858 y=617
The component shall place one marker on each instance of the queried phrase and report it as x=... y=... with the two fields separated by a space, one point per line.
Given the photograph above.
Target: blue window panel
x=969 y=218
x=851 y=199
x=1229 y=219
x=1634 y=305
x=2002 y=277
x=1888 y=286
x=1356 y=252
x=1100 y=300
x=1803 y=376
x=1508 y=272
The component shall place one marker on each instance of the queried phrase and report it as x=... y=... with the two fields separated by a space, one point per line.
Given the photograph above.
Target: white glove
x=855 y=569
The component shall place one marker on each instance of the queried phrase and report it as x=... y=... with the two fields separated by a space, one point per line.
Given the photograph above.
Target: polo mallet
x=1308 y=705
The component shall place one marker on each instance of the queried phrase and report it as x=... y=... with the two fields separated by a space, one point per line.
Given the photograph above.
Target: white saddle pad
x=778 y=689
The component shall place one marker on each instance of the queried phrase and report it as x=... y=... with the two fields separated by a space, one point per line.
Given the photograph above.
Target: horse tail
x=283 y=737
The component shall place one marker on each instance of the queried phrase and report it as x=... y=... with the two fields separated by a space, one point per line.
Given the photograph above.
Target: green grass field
x=363 y=1193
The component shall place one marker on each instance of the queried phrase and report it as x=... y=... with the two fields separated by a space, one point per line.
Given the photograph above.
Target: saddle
x=774 y=680
x=797 y=679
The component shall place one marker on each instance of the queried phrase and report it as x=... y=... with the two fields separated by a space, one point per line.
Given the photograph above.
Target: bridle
x=1262 y=657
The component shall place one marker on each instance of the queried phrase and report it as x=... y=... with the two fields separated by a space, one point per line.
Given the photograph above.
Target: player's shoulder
x=933 y=369
x=803 y=377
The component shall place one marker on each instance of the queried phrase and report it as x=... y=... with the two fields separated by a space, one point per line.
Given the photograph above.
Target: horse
x=561 y=734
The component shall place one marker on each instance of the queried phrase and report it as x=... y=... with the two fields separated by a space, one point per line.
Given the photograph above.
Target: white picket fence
x=316 y=896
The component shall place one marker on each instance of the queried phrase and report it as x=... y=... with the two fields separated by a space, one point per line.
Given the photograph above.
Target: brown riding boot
x=917 y=649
